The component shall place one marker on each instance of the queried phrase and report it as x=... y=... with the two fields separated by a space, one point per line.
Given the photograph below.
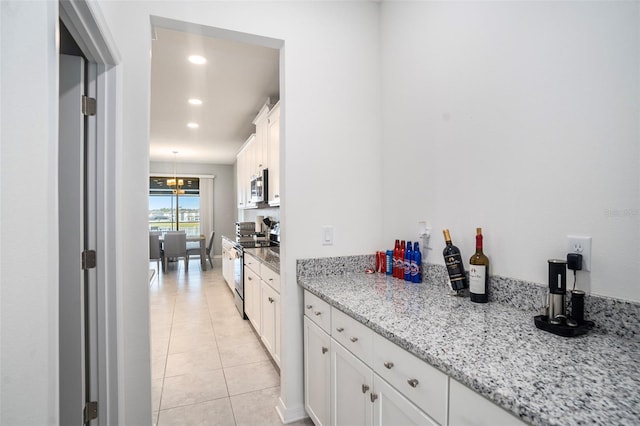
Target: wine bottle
x=408 y=254
x=453 y=261
x=479 y=273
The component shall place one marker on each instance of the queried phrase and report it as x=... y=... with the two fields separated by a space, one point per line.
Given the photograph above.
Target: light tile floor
x=208 y=365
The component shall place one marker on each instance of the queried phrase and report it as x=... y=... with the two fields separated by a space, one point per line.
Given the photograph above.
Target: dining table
x=202 y=241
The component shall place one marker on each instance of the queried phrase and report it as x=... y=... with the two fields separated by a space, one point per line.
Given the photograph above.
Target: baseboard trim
x=290 y=415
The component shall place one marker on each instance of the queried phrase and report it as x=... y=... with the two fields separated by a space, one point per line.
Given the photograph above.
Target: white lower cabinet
x=252 y=306
x=351 y=385
x=317 y=373
x=392 y=408
x=270 y=324
x=371 y=381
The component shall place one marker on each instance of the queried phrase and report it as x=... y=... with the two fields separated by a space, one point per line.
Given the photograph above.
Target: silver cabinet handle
x=354 y=339
x=309 y=306
x=365 y=388
x=324 y=350
x=413 y=383
x=388 y=364
x=318 y=313
x=340 y=329
x=271 y=300
x=270 y=279
x=373 y=397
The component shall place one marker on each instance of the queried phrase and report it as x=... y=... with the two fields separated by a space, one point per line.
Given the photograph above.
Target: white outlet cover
x=580 y=245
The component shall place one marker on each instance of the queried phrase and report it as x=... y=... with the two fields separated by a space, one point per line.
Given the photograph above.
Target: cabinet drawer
x=270 y=277
x=352 y=335
x=468 y=408
x=252 y=262
x=318 y=311
x=421 y=383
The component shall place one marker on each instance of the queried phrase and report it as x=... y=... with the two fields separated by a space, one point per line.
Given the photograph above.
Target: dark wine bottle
x=453 y=262
x=479 y=273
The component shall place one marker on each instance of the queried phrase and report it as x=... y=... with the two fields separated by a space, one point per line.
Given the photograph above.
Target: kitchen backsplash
x=610 y=315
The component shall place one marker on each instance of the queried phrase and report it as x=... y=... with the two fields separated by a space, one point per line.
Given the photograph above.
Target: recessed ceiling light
x=197 y=59
x=193 y=125
x=194 y=101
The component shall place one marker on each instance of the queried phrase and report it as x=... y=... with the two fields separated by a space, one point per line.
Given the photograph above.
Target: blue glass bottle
x=416 y=264
x=408 y=255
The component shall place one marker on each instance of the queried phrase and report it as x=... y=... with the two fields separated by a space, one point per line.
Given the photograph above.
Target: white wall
x=522 y=118
x=331 y=139
x=224 y=194
x=28 y=214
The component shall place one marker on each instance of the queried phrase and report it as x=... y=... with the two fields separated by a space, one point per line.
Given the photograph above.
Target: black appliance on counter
x=558 y=319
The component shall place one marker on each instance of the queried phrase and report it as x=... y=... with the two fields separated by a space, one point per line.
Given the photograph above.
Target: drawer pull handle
x=318 y=313
x=271 y=300
x=309 y=306
x=365 y=388
x=324 y=350
x=388 y=364
x=413 y=383
x=373 y=397
x=354 y=339
x=340 y=329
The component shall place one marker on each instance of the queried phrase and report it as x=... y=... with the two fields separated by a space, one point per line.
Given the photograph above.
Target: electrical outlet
x=580 y=245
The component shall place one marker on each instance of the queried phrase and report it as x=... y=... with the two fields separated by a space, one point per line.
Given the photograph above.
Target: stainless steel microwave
x=260 y=187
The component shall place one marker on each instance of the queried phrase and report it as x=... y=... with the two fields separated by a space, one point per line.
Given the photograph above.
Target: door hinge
x=88 y=259
x=90 y=411
x=88 y=105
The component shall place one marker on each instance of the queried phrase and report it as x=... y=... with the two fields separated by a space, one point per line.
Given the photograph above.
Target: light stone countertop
x=496 y=350
x=266 y=256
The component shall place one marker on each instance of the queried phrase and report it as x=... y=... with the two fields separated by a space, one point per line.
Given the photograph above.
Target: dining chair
x=175 y=246
x=155 y=252
x=195 y=251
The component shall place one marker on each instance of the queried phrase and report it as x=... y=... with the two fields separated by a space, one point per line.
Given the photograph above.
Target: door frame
x=85 y=22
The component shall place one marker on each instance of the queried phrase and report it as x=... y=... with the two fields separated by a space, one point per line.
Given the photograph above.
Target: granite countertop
x=266 y=256
x=496 y=350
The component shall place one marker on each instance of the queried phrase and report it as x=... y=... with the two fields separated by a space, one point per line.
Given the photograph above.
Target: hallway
x=208 y=365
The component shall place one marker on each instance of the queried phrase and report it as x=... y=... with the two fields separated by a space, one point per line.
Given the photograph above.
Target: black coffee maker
x=558 y=319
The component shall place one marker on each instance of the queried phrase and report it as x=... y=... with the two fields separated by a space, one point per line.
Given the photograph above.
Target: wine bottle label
x=477 y=277
x=454 y=267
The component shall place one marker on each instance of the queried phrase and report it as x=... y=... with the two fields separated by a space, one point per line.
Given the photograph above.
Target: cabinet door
x=270 y=312
x=252 y=297
x=317 y=373
x=390 y=407
x=274 y=156
x=351 y=385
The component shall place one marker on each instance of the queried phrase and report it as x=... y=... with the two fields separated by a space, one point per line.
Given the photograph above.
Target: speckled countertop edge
x=496 y=350
x=266 y=257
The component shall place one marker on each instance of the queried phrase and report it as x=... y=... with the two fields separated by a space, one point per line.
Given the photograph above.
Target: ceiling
x=233 y=85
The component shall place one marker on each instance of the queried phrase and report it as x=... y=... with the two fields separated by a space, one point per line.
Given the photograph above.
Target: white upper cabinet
x=261 y=151
x=274 y=155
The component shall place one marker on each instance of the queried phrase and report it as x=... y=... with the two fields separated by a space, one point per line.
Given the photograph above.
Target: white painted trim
x=290 y=415
x=187 y=175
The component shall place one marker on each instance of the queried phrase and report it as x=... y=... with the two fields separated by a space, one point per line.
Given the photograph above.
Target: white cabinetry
x=270 y=312
x=262 y=303
x=260 y=151
x=357 y=394
x=228 y=259
x=467 y=408
x=374 y=381
x=274 y=155
x=317 y=373
x=261 y=145
x=252 y=293
x=243 y=173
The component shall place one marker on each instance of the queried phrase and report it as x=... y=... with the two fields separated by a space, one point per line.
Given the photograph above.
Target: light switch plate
x=327 y=235
x=580 y=245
